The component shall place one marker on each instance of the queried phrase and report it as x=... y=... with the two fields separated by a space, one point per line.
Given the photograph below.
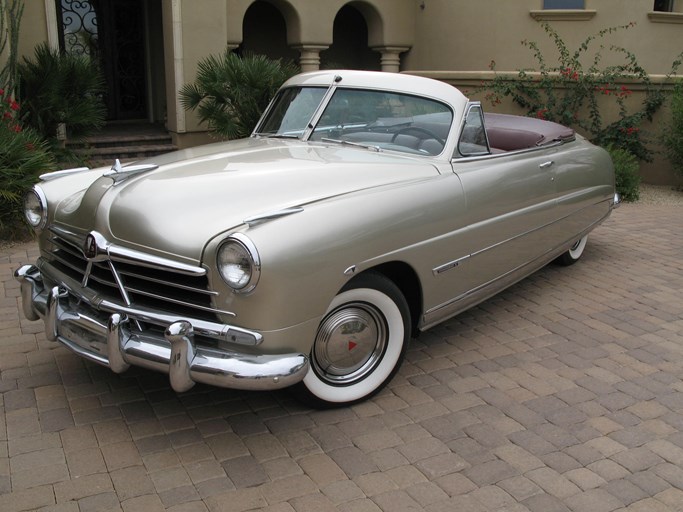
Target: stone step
x=127 y=141
x=107 y=141
x=107 y=155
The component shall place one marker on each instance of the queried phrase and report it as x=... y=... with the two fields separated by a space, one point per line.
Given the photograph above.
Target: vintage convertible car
x=364 y=208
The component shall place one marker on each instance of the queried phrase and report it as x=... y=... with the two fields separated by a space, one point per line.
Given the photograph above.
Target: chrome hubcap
x=349 y=344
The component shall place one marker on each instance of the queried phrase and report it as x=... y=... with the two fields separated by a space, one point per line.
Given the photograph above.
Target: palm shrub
x=58 y=88
x=672 y=137
x=231 y=92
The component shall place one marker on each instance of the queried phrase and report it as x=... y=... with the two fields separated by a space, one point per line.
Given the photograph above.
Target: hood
x=198 y=193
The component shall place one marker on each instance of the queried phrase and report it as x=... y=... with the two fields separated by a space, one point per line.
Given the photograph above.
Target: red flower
x=14 y=105
x=2 y=92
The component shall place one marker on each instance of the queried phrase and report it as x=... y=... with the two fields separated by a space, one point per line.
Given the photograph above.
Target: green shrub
x=573 y=94
x=626 y=171
x=231 y=92
x=58 y=88
x=24 y=155
x=672 y=137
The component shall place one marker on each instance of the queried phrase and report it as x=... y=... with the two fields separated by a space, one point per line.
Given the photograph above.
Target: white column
x=52 y=24
x=178 y=63
x=391 y=57
x=310 y=56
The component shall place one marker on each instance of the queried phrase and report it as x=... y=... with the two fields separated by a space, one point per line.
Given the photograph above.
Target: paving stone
x=104 y=501
x=353 y=462
x=321 y=469
x=427 y=494
x=520 y=488
x=594 y=500
x=89 y=485
x=637 y=459
x=625 y=491
x=28 y=499
x=553 y=483
x=585 y=478
x=490 y=472
x=609 y=470
x=131 y=482
x=343 y=491
x=245 y=472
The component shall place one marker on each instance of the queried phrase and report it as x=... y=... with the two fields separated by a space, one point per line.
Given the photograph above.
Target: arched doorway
x=349 y=48
x=265 y=33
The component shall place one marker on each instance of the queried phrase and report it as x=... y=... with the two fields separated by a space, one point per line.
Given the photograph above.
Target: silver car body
x=128 y=268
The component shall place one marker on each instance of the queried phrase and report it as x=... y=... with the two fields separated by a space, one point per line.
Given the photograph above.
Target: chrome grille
x=140 y=286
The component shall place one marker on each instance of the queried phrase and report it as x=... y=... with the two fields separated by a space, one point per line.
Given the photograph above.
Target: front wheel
x=359 y=345
x=574 y=253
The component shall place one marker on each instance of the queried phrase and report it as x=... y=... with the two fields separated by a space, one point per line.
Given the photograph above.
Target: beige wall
x=34 y=26
x=469 y=37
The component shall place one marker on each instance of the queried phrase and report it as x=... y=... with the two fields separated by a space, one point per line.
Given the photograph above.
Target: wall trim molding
x=665 y=17
x=563 y=14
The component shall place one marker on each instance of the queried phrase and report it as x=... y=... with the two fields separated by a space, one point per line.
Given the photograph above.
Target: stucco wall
x=468 y=37
x=33 y=29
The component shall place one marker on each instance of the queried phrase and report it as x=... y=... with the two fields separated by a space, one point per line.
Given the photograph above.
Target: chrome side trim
x=482 y=292
x=450 y=265
x=64 y=172
x=264 y=217
x=509 y=153
x=453 y=264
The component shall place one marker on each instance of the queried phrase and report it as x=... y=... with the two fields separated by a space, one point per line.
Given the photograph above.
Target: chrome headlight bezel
x=35 y=208
x=238 y=263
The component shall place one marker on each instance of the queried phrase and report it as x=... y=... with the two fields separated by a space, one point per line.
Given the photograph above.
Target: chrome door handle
x=547 y=164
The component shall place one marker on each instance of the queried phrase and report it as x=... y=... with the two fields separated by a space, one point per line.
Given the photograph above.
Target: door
x=113 y=32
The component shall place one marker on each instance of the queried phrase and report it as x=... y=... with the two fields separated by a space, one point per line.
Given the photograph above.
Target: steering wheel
x=430 y=134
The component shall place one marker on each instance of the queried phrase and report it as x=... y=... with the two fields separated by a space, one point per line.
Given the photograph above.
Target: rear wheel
x=359 y=345
x=574 y=253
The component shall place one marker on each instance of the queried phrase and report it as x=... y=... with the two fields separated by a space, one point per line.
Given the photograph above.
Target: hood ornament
x=118 y=173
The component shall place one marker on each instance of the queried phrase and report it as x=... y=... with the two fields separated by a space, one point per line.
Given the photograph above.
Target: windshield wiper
x=350 y=143
x=278 y=135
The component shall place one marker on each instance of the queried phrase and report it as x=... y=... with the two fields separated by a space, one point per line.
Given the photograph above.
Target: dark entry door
x=115 y=34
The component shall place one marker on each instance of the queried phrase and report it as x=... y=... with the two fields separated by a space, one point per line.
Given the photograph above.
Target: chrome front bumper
x=109 y=338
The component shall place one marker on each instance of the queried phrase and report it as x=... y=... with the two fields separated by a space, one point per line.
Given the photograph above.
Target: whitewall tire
x=360 y=343
x=574 y=253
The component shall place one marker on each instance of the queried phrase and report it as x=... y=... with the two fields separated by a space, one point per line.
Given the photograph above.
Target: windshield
x=292 y=110
x=385 y=120
x=379 y=120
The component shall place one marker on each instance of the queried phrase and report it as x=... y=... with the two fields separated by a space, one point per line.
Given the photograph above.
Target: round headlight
x=35 y=208
x=238 y=263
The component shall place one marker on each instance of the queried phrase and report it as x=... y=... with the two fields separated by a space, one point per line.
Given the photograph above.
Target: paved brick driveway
x=563 y=393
